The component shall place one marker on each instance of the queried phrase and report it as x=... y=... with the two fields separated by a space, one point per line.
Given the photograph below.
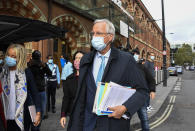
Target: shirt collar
x=106 y=55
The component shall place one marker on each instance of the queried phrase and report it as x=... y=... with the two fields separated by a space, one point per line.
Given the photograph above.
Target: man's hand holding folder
x=118 y=111
x=109 y=100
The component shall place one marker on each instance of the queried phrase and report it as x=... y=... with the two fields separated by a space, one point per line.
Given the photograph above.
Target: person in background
x=142 y=61
x=104 y=64
x=19 y=90
x=2 y=115
x=149 y=64
x=70 y=86
x=142 y=112
x=53 y=83
x=1 y=58
x=63 y=60
x=67 y=70
x=39 y=70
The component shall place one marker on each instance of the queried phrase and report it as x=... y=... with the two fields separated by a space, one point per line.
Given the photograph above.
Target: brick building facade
x=147 y=36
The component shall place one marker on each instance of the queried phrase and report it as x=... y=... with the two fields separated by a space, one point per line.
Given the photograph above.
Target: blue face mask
x=1 y=61
x=50 y=61
x=98 y=43
x=136 y=57
x=9 y=61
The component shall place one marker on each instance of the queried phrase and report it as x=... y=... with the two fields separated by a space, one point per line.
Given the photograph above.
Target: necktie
x=101 y=70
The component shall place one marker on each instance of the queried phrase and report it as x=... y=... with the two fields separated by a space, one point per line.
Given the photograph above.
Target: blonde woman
x=19 y=90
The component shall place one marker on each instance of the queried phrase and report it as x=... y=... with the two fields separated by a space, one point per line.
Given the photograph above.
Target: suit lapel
x=85 y=64
x=113 y=55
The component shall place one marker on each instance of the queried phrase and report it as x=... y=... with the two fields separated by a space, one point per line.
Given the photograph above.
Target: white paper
x=114 y=95
x=117 y=96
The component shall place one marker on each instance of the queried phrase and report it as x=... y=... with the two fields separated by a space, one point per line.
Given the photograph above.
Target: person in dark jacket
x=39 y=71
x=1 y=58
x=19 y=90
x=70 y=86
x=142 y=112
x=105 y=64
x=149 y=64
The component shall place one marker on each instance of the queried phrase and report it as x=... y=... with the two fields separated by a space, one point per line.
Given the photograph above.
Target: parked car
x=172 y=71
x=191 y=68
x=187 y=67
x=179 y=69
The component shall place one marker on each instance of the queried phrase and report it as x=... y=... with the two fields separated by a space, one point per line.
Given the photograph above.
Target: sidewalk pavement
x=53 y=122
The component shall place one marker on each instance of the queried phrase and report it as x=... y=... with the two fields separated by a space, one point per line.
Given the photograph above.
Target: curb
x=158 y=101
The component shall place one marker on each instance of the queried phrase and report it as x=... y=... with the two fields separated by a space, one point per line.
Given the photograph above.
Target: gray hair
x=109 y=26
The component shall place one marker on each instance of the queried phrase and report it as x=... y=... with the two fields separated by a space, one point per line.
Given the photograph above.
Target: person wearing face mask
x=66 y=70
x=53 y=83
x=19 y=90
x=63 y=61
x=149 y=64
x=104 y=64
x=70 y=86
x=1 y=58
x=142 y=112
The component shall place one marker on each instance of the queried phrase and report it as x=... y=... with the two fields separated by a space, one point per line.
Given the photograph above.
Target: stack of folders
x=110 y=95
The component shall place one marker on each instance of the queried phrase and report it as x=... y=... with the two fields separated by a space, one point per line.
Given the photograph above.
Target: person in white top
x=19 y=90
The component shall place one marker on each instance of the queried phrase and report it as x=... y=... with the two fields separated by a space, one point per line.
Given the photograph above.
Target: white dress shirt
x=97 y=62
x=12 y=98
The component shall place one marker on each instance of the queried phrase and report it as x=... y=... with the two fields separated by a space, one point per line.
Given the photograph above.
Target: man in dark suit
x=106 y=64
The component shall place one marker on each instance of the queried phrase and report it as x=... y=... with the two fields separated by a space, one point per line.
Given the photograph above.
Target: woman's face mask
x=77 y=60
x=9 y=61
x=76 y=64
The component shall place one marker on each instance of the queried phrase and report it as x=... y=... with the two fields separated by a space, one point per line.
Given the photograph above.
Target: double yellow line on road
x=165 y=114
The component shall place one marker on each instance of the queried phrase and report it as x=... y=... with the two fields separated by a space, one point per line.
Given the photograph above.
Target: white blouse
x=10 y=115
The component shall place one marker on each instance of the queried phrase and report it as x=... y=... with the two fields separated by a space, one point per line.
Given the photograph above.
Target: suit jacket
x=122 y=69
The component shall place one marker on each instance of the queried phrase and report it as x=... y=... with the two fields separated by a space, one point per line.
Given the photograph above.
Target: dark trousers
x=51 y=94
x=148 y=101
x=2 y=128
x=143 y=116
x=12 y=126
